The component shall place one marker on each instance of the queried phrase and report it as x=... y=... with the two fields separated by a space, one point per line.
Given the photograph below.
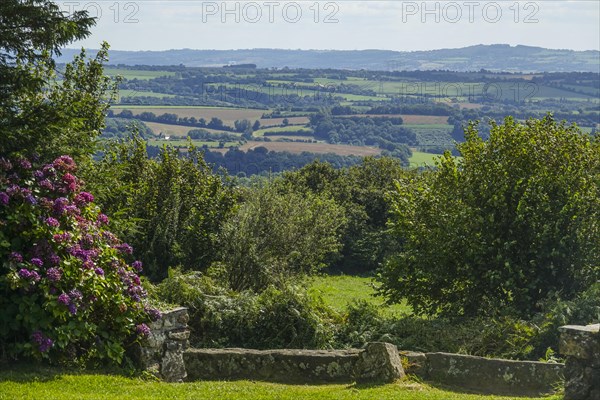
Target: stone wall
x=162 y=354
x=166 y=354
x=487 y=375
x=378 y=362
x=581 y=346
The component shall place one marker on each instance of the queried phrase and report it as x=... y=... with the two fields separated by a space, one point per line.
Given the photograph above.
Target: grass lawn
x=47 y=384
x=340 y=290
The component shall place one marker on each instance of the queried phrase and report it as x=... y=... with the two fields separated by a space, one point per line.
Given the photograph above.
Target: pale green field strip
x=281 y=129
x=429 y=126
x=184 y=143
x=319 y=148
x=137 y=93
x=422 y=159
x=136 y=74
x=447 y=90
x=179 y=130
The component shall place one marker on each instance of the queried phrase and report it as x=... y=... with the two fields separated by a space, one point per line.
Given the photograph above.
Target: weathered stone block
x=581 y=345
x=582 y=342
x=173 y=367
x=162 y=353
x=180 y=334
x=379 y=362
x=289 y=366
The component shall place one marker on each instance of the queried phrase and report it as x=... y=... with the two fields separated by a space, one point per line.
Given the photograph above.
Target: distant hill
x=497 y=57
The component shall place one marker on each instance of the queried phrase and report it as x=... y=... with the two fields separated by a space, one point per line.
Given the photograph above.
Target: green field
x=282 y=129
x=135 y=93
x=421 y=159
x=52 y=384
x=227 y=115
x=136 y=74
x=184 y=143
x=338 y=291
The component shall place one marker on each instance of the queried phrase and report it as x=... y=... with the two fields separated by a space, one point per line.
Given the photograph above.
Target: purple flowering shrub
x=67 y=290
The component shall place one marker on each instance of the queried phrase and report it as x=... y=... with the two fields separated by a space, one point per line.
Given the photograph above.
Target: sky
x=344 y=24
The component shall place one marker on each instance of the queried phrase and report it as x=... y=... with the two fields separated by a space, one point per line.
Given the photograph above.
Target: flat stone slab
x=494 y=376
x=582 y=342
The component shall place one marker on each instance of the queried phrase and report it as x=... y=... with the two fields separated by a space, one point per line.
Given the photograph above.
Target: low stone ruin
x=166 y=354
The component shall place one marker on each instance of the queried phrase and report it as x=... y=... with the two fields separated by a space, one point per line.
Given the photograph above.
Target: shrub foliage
x=67 y=292
x=516 y=220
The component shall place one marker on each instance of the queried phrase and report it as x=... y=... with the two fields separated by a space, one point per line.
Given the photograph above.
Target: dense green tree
x=274 y=237
x=40 y=113
x=361 y=190
x=171 y=208
x=512 y=222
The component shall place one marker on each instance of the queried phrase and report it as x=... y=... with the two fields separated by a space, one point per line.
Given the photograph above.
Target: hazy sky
x=345 y=24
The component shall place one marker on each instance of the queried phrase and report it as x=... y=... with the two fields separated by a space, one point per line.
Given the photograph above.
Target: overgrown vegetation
x=491 y=251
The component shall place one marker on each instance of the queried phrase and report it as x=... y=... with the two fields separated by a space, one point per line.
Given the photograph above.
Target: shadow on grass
x=33 y=371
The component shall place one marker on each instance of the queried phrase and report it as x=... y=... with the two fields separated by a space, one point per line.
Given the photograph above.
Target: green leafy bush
x=170 y=208
x=66 y=290
x=274 y=237
x=502 y=229
x=276 y=318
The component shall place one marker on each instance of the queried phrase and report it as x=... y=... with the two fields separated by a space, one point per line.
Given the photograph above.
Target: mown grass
x=338 y=291
x=52 y=384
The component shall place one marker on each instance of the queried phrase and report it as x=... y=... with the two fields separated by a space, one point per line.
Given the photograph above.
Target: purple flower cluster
x=54 y=274
x=61 y=260
x=37 y=262
x=64 y=164
x=83 y=199
x=44 y=343
x=16 y=257
x=137 y=265
x=29 y=275
x=69 y=183
x=60 y=205
x=24 y=163
x=46 y=184
x=124 y=248
x=64 y=299
x=62 y=237
x=53 y=222
x=83 y=254
x=102 y=219
x=75 y=295
x=153 y=313
x=142 y=330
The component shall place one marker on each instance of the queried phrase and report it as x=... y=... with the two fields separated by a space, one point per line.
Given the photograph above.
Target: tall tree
x=516 y=220
x=41 y=113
